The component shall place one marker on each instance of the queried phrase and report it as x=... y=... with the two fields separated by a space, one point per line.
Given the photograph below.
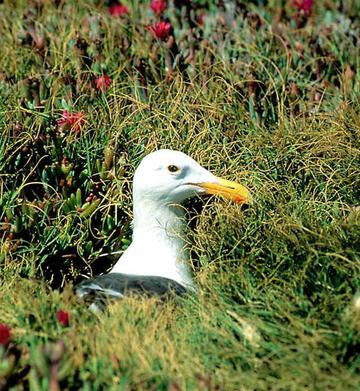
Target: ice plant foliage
x=158 y=6
x=5 y=334
x=161 y=30
x=63 y=317
x=102 y=82
x=73 y=121
x=118 y=10
x=304 y=6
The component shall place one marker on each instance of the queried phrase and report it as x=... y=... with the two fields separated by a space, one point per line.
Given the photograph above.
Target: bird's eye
x=173 y=168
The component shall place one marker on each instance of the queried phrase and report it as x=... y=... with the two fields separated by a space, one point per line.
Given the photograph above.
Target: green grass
x=270 y=99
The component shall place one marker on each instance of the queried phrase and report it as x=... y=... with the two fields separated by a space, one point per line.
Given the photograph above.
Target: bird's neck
x=159 y=246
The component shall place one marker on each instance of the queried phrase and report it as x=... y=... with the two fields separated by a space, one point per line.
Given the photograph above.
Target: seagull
x=157 y=260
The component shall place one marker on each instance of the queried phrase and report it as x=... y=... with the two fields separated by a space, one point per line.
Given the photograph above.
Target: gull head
x=171 y=177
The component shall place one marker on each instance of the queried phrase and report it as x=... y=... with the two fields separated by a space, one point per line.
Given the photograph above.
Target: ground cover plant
x=263 y=92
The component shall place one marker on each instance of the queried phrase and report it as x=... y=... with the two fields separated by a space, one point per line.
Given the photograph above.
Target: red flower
x=63 y=317
x=161 y=30
x=304 y=5
x=73 y=121
x=201 y=19
x=102 y=82
x=5 y=334
x=118 y=10
x=158 y=6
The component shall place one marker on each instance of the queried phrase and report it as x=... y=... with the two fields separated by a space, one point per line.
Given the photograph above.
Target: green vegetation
x=262 y=92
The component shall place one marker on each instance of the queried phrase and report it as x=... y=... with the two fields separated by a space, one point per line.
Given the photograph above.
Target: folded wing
x=98 y=291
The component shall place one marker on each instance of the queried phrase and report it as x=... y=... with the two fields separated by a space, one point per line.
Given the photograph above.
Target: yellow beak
x=228 y=189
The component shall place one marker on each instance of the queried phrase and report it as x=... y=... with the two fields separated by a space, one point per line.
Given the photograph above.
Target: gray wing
x=100 y=289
